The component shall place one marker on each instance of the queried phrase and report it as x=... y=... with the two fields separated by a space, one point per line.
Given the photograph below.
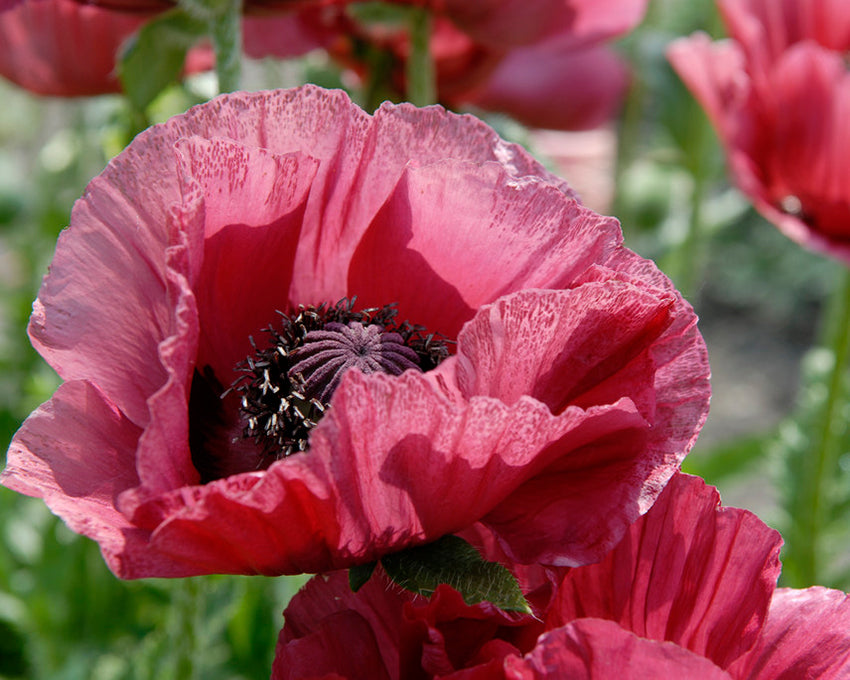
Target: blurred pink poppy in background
x=778 y=95
x=64 y=48
x=689 y=593
x=548 y=383
x=41 y=41
x=541 y=62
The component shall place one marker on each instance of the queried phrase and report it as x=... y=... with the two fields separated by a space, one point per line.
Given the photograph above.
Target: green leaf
x=359 y=575
x=153 y=58
x=453 y=561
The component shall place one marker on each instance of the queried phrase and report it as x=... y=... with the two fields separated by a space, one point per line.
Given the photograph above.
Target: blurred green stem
x=811 y=515
x=226 y=29
x=421 y=83
x=185 y=624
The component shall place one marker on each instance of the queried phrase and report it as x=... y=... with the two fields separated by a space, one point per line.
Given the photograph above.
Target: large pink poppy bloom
x=779 y=100
x=578 y=382
x=690 y=592
x=40 y=41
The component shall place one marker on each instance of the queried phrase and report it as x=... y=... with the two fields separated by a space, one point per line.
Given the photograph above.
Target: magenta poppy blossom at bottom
x=296 y=337
x=689 y=593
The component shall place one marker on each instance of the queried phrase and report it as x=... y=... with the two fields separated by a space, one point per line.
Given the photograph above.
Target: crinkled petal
x=76 y=452
x=384 y=452
x=689 y=572
x=453 y=236
x=600 y=650
x=665 y=373
x=806 y=637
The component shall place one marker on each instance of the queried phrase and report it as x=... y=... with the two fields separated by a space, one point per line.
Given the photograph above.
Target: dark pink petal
x=550 y=85
x=689 y=571
x=657 y=352
x=101 y=328
x=600 y=650
x=806 y=637
x=329 y=629
x=714 y=72
x=445 y=635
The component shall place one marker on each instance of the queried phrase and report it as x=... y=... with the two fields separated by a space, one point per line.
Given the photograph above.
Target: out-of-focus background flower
x=658 y=167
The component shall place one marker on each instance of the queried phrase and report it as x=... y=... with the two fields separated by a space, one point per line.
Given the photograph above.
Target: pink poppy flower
x=781 y=115
x=40 y=41
x=578 y=382
x=688 y=593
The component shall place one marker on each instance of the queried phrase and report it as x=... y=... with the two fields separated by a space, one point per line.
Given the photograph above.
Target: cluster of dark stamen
x=285 y=388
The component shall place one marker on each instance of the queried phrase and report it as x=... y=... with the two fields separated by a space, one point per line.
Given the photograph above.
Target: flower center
x=286 y=387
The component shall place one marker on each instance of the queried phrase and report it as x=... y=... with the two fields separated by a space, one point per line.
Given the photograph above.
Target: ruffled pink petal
x=667 y=378
x=447 y=638
x=689 y=572
x=586 y=346
x=76 y=452
x=550 y=85
x=453 y=236
x=62 y=47
x=805 y=152
x=806 y=637
x=379 y=458
x=600 y=650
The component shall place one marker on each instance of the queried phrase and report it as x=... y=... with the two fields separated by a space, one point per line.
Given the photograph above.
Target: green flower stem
x=421 y=81
x=184 y=626
x=816 y=495
x=226 y=30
